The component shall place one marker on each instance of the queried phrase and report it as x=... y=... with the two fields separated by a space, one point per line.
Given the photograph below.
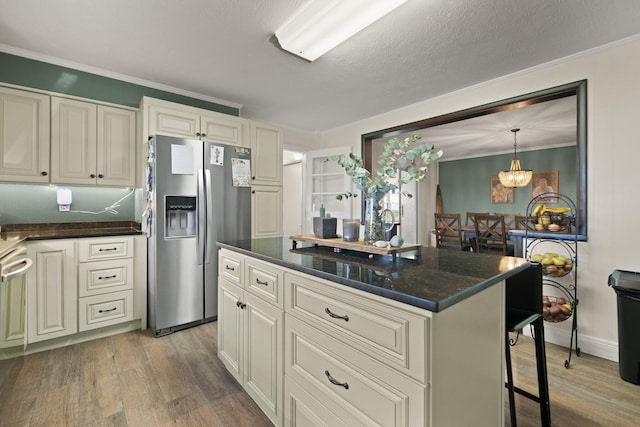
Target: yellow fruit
x=538 y=209
x=550 y=255
x=553 y=227
x=546 y=261
x=559 y=261
x=536 y=258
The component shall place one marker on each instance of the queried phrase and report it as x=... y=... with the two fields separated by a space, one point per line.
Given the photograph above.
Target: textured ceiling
x=221 y=49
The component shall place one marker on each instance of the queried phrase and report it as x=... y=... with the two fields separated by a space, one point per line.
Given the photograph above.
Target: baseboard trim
x=588 y=344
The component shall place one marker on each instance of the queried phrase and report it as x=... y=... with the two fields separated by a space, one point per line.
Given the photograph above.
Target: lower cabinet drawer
x=264 y=281
x=379 y=329
x=301 y=409
x=105 y=310
x=105 y=248
x=356 y=388
x=101 y=277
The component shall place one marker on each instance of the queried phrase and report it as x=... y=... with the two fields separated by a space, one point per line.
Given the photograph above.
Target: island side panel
x=467 y=361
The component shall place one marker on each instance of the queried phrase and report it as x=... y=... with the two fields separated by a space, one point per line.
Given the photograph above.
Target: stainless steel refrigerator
x=197 y=193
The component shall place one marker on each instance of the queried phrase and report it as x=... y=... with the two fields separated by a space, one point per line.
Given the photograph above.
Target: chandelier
x=515 y=176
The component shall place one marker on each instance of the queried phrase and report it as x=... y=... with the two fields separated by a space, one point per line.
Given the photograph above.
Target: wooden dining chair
x=491 y=235
x=470 y=215
x=448 y=233
x=522 y=223
x=509 y=220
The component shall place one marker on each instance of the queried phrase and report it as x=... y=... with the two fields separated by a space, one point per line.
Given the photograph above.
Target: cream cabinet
x=52 y=290
x=105 y=282
x=250 y=330
x=266 y=150
x=92 y=144
x=363 y=359
x=266 y=211
x=78 y=289
x=352 y=358
x=168 y=118
x=12 y=312
x=24 y=139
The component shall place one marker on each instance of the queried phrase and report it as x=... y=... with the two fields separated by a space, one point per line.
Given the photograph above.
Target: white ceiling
x=220 y=49
x=544 y=125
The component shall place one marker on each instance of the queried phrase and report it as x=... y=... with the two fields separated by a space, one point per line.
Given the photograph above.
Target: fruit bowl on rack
x=553 y=264
x=553 y=222
x=556 y=309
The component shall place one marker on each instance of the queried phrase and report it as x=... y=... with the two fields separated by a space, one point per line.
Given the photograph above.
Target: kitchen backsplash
x=26 y=204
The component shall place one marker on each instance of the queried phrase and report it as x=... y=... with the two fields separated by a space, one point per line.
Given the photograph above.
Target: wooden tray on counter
x=338 y=243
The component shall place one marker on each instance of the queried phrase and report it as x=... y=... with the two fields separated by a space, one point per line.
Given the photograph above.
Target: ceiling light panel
x=321 y=25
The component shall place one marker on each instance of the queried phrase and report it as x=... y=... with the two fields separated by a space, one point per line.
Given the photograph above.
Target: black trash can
x=627 y=287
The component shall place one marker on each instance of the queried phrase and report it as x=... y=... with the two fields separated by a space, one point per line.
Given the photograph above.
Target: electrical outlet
x=64 y=208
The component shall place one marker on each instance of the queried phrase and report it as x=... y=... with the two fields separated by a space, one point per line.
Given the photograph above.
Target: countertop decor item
x=324 y=228
x=338 y=245
x=400 y=163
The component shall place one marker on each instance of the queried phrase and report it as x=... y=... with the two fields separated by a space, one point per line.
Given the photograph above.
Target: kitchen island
x=324 y=338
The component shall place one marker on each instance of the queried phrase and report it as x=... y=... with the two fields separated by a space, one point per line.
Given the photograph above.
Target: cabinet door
x=24 y=136
x=230 y=325
x=266 y=154
x=12 y=312
x=116 y=150
x=263 y=373
x=52 y=291
x=173 y=121
x=73 y=141
x=218 y=128
x=266 y=211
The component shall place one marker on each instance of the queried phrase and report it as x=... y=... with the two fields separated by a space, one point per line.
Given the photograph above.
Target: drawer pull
x=259 y=282
x=107 y=249
x=107 y=277
x=240 y=304
x=108 y=310
x=336 y=382
x=226 y=267
x=335 y=316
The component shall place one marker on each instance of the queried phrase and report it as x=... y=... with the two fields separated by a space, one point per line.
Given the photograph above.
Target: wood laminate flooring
x=135 y=379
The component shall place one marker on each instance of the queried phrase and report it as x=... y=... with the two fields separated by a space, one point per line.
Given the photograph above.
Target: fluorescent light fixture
x=321 y=25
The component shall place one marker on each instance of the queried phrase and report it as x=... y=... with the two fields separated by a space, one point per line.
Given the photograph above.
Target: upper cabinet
x=46 y=138
x=24 y=136
x=168 y=118
x=266 y=150
x=92 y=144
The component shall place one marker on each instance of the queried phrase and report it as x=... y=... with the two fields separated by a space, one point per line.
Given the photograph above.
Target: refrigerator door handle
x=201 y=218
x=209 y=244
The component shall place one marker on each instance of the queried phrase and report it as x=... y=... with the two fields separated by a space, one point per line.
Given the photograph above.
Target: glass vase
x=373 y=225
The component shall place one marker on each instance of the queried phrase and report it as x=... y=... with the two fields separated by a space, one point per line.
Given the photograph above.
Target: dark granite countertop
x=437 y=279
x=68 y=230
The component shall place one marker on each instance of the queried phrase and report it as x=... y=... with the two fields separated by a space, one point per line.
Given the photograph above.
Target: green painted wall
x=22 y=71
x=465 y=184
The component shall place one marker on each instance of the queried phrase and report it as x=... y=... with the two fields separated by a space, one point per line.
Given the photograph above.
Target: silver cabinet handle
x=336 y=382
x=336 y=316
